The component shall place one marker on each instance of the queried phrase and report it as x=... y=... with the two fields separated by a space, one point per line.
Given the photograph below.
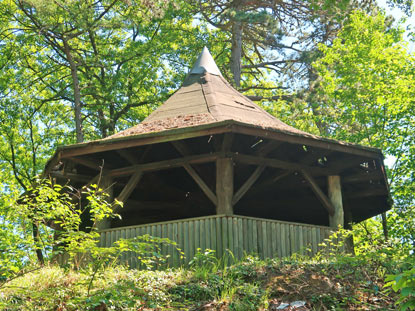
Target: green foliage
x=366 y=87
x=366 y=79
x=249 y=284
x=366 y=96
x=116 y=289
x=204 y=263
x=404 y=282
x=71 y=241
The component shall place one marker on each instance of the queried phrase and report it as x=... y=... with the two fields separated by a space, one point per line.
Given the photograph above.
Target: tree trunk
x=236 y=53
x=38 y=251
x=76 y=92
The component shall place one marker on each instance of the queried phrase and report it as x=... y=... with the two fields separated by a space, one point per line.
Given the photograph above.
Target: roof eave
x=208 y=129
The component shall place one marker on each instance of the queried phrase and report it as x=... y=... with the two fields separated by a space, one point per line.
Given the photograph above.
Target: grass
x=208 y=284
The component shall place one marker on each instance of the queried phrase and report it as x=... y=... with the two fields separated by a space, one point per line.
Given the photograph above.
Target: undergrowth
x=344 y=283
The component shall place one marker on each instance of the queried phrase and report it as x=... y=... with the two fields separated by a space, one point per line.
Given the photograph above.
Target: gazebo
x=211 y=169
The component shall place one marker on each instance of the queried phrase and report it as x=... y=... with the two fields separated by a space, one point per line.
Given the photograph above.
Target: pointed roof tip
x=205 y=63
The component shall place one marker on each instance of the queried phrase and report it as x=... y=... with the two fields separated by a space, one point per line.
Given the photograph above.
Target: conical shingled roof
x=206 y=97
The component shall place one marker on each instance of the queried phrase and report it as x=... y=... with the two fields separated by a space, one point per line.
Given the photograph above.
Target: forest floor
x=251 y=284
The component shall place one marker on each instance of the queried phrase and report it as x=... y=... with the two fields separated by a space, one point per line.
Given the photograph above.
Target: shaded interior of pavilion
x=277 y=193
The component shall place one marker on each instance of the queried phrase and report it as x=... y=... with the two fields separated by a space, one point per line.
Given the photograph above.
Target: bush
x=404 y=283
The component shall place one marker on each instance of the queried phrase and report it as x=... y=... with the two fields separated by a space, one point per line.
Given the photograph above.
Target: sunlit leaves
x=367 y=94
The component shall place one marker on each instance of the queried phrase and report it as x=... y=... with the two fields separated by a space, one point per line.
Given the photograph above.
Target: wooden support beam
x=146 y=151
x=184 y=150
x=319 y=193
x=270 y=181
x=131 y=158
x=263 y=149
x=348 y=218
x=91 y=163
x=71 y=176
x=134 y=159
x=248 y=184
x=266 y=148
x=335 y=195
x=205 y=188
x=130 y=186
x=95 y=181
x=77 y=199
x=166 y=164
x=224 y=186
x=227 y=142
x=106 y=185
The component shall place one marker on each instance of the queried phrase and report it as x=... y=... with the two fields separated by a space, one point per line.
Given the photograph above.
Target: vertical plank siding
x=238 y=235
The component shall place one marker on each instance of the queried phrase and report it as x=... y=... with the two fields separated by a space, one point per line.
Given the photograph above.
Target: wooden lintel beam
x=367 y=193
x=71 y=176
x=248 y=184
x=255 y=160
x=344 y=164
x=166 y=164
x=319 y=193
x=205 y=188
x=90 y=163
x=313 y=155
x=130 y=186
x=363 y=177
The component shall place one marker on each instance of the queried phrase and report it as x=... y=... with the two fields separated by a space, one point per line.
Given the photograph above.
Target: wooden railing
x=239 y=234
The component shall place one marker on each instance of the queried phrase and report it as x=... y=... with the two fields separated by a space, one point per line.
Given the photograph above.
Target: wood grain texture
x=239 y=234
x=224 y=186
x=335 y=196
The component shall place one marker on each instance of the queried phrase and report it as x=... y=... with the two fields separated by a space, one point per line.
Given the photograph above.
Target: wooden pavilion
x=211 y=169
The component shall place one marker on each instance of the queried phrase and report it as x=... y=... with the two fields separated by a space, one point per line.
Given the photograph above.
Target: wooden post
x=106 y=185
x=224 y=186
x=385 y=226
x=335 y=196
x=348 y=220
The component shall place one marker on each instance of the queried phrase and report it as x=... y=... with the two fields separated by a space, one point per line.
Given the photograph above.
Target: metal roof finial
x=205 y=63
